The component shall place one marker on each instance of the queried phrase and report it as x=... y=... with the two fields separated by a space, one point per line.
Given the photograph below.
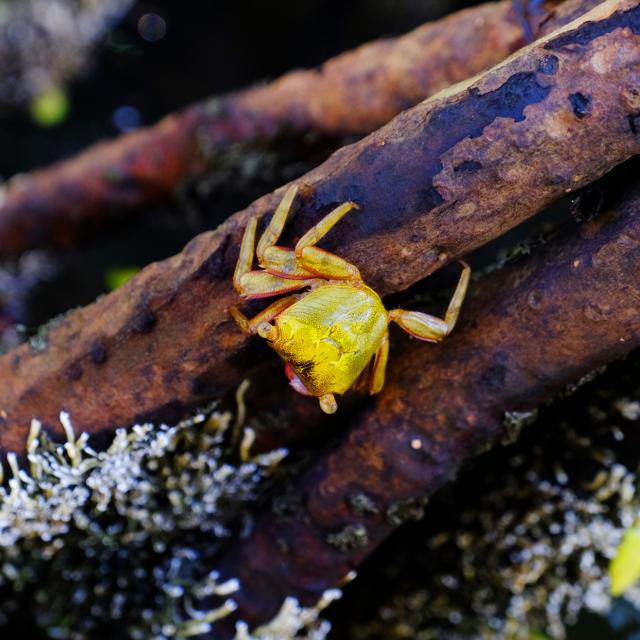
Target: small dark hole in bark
x=581 y=104
x=548 y=65
x=467 y=166
x=98 y=353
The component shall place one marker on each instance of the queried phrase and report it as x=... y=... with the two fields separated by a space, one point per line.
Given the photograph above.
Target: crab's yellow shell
x=330 y=335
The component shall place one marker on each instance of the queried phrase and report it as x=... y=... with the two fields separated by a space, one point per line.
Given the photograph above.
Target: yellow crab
x=329 y=334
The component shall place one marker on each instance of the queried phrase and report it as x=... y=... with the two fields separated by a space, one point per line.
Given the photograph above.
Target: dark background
x=209 y=48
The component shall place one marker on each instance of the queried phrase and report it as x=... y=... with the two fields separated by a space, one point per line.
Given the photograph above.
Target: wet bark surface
x=527 y=331
x=351 y=94
x=438 y=181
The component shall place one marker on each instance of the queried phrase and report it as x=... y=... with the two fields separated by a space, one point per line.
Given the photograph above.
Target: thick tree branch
x=352 y=94
x=438 y=181
x=527 y=331
x=533 y=14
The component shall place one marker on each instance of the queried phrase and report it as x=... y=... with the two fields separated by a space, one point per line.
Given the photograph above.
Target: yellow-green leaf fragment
x=624 y=570
x=117 y=276
x=50 y=108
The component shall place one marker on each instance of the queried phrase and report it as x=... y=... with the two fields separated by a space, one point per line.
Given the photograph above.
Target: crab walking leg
x=428 y=327
x=262 y=284
x=250 y=326
x=245 y=259
x=318 y=261
x=376 y=382
x=283 y=262
x=278 y=220
x=318 y=231
x=325 y=264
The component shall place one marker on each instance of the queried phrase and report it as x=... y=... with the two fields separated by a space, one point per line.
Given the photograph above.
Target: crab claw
x=294 y=381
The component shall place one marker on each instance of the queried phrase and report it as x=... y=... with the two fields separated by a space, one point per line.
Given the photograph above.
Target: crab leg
x=278 y=220
x=245 y=259
x=318 y=261
x=262 y=284
x=325 y=264
x=318 y=231
x=428 y=327
x=251 y=326
x=282 y=262
x=376 y=381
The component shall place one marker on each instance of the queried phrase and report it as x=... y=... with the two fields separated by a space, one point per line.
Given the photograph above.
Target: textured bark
x=533 y=14
x=351 y=94
x=526 y=332
x=438 y=181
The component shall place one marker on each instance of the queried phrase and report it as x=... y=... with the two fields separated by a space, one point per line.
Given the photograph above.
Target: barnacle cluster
x=115 y=543
x=520 y=547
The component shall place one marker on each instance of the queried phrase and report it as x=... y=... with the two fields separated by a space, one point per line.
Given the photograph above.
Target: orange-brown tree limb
x=439 y=180
x=352 y=94
x=527 y=331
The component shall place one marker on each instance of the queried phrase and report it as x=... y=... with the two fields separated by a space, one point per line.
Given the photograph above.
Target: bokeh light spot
x=152 y=27
x=117 y=276
x=126 y=118
x=50 y=108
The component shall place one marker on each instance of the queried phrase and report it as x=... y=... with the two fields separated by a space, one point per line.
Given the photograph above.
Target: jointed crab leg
x=245 y=259
x=262 y=284
x=284 y=265
x=251 y=326
x=318 y=231
x=455 y=304
x=376 y=381
x=307 y=259
x=274 y=230
x=282 y=262
x=318 y=261
x=327 y=265
x=259 y=283
x=428 y=327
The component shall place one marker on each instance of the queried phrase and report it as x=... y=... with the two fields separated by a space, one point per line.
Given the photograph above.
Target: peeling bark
x=438 y=181
x=352 y=94
x=527 y=331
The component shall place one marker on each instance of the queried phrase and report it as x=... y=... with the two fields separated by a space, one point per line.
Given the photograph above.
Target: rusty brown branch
x=532 y=14
x=352 y=94
x=528 y=330
x=438 y=181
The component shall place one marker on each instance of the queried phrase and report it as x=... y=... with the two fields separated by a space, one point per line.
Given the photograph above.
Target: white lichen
x=118 y=537
x=530 y=553
x=293 y=621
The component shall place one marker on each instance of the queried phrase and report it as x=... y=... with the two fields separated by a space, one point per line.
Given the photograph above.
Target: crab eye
x=267 y=331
